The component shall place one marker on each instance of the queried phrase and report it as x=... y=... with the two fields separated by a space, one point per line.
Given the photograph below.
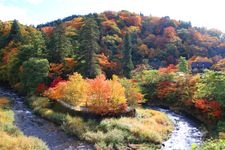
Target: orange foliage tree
x=106 y=96
x=57 y=92
x=166 y=90
x=211 y=108
x=170 y=69
x=105 y=63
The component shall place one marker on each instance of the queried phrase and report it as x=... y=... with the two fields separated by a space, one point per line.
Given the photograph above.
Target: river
x=185 y=133
x=33 y=125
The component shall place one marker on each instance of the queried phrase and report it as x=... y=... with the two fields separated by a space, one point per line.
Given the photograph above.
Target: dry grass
x=148 y=127
x=11 y=138
x=8 y=142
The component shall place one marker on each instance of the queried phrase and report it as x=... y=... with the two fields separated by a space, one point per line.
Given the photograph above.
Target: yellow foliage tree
x=76 y=90
x=117 y=99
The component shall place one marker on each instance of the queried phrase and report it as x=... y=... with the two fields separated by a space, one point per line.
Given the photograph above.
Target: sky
x=201 y=13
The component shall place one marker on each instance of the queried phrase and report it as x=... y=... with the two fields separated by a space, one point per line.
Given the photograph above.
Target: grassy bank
x=147 y=130
x=11 y=137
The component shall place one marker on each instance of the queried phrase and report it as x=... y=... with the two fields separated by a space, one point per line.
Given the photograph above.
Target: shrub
x=211 y=108
x=132 y=91
x=221 y=126
x=211 y=86
x=56 y=92
x=166 y=90
x=217 y=144
x=106 y=96
x=39 y=102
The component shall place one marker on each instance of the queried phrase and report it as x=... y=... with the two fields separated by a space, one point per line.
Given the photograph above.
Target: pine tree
x=89 y=46
x=127 y=57
x=34 y=46
x=183 y=65
x=15 y=33
x=59 y=46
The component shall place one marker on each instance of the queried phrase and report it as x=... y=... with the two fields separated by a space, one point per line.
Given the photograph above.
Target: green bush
x=221 y=126
x=39 y=102
x=217 y=144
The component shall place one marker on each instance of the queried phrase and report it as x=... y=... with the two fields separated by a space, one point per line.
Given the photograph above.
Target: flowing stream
x=33 y=125
x=185 y=133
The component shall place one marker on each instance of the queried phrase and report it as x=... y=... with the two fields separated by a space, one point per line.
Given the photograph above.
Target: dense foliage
x=99 y=95
x=109 y=42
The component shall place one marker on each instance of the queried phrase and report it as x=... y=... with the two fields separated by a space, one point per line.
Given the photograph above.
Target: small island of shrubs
x=147 y=129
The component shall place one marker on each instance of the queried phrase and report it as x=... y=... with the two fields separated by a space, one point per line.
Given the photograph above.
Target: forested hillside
x=109 y=42
x=107 y=65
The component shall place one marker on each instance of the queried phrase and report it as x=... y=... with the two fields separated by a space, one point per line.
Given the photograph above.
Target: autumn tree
x=132 y=91
x=211 y=86
x=127 y=57
x=89 y=37
x=57 y=92
x=106 y=96
x=75 y=91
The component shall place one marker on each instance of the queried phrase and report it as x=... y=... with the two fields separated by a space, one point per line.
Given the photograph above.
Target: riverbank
x=211 y=126
x=107 y=132
x=145 y=131
x=13 y=137
x=34 y=125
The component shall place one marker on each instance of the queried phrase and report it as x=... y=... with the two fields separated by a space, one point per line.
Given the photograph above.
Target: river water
x=185 y=133
x=33 y=125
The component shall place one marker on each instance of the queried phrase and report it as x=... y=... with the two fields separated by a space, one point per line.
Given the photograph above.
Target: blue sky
x=203 y=13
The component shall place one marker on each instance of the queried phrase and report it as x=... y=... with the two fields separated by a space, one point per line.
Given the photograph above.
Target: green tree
x=60 y=45
x=15 y=32
x=183 y=65
x=127 y=57
x=89 y=46
x=35 y=71
x=211 y=86
x=34 y=47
